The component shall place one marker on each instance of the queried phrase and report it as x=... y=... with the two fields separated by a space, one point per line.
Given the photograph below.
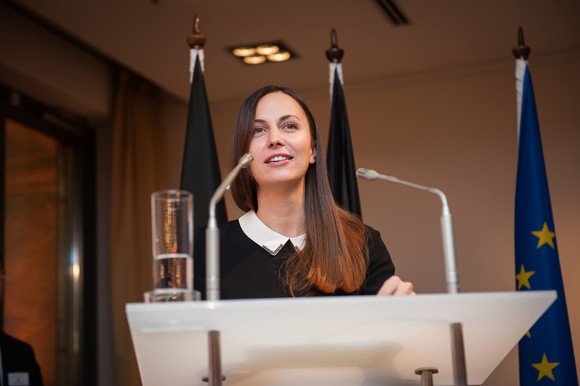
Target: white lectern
x=350 y=340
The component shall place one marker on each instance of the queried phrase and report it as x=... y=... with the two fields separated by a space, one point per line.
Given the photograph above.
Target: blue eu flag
x=546 y=355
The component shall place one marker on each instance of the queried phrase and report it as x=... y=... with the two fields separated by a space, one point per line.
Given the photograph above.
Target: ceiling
x=149 y=37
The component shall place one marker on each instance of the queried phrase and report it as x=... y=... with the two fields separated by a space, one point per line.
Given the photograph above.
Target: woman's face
x=281 y=142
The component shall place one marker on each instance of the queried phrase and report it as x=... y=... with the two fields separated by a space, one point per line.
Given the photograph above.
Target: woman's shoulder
x=372 y=231
x=374 y=238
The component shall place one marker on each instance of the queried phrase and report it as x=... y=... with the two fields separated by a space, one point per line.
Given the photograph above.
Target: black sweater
x=249 y=271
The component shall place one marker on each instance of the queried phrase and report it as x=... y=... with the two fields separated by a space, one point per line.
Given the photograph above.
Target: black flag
x=200 y=172
x=340 y=157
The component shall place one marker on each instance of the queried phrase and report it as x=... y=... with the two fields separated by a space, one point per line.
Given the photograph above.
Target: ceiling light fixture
x=279 y=56
x=267 y=49
x=254 y=59
x=263 y=52
x=242 y=52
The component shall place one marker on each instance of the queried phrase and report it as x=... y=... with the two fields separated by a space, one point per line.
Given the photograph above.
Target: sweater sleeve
x=381 y=266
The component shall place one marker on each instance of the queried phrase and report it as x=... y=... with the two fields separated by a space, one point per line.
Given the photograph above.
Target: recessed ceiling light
x=267 y=49
x=244 y=51
x=279 y=56
x=254 y=59
x=262 y=52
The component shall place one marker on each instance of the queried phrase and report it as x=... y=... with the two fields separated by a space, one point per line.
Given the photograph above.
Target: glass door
x=31 y=243
x=48 y=251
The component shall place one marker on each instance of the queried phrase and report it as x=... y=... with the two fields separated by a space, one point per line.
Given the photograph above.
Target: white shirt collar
x=265 y=237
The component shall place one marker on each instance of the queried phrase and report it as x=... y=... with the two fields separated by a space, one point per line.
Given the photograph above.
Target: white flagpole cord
x=193 y=53
x=521 y=65
x=332 y=67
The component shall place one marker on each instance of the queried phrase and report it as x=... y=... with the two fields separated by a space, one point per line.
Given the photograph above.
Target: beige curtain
x=138 y=170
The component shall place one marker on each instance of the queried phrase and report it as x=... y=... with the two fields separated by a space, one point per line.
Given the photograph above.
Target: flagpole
x=521 y=53
x=200 y=172
x=546 y=351
x=200 y=139
x=340 y=155
x=196 y=41
x=334 y=55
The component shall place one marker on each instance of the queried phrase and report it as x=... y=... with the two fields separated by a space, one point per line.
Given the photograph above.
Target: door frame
x=77 y=362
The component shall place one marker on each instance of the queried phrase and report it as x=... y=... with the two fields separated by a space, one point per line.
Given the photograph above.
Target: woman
x=293 y=240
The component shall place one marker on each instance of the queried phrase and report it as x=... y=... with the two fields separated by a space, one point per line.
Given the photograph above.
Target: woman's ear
x=313 y=155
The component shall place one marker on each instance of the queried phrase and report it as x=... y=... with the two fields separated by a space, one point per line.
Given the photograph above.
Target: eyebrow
x=282 y=118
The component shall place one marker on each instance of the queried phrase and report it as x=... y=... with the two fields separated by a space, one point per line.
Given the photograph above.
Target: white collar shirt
x=265 y=237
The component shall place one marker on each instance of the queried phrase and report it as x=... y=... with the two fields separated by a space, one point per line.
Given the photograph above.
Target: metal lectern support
x=458 y=354
x=215 y=360
x=426 y=374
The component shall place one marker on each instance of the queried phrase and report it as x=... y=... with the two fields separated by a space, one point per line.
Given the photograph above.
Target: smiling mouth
x=278 y=158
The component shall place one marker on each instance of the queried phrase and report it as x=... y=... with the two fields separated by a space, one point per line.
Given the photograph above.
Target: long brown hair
x=335 y=254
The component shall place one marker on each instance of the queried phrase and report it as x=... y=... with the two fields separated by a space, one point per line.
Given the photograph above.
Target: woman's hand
x=395 y=286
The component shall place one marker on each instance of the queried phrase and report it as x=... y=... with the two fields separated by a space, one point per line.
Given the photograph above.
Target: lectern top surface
x=350 y=340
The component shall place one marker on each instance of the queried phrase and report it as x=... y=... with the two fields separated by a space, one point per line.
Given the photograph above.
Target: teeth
x=277 y=158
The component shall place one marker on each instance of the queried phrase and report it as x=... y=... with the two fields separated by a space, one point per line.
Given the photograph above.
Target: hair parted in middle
x=335 y=255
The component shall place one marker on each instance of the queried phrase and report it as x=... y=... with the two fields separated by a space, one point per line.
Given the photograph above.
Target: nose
x=275 y=138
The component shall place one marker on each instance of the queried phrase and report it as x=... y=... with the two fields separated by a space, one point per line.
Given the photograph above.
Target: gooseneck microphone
x=212 y=235
x=446 y=224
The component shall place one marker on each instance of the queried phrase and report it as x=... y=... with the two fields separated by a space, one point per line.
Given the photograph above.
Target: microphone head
x=367 y=174
x=245 y=160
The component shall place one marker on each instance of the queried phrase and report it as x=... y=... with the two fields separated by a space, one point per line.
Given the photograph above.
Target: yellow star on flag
x=523 y=278
x=544 y=236
x=545 y=368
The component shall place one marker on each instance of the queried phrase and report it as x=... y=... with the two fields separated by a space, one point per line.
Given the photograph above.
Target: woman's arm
x=381 y=278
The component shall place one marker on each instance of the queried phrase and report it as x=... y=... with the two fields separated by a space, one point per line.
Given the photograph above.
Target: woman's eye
x=290 y=126
x=258 y=130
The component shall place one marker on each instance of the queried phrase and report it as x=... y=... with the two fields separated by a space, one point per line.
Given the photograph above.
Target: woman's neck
x=281 y=211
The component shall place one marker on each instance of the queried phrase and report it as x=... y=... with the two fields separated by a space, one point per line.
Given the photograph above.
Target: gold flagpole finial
x=521 y=51
x=334 y=53
x=196 y=40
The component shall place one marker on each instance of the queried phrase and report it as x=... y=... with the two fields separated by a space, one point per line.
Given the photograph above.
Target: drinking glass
x=172 y=236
